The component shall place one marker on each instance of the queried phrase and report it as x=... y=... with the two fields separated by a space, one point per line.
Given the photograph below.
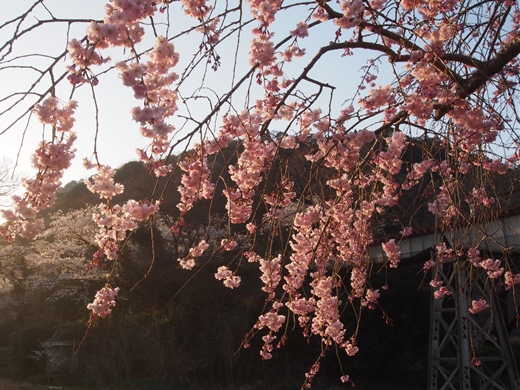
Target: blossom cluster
x=195 y=183
x=392 y=251
x=150 y=82
x=115 y=222
x=271 y=273
x=441 y=291
x=103 y=302
x=478 y=306
x=511 y=280
x=51 y=159
x=188 y=262
x=229 y=280
x=120 y=27
x=103 y=183
x=330 y=230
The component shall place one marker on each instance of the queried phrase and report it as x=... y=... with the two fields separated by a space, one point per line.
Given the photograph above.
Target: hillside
x=178 y=325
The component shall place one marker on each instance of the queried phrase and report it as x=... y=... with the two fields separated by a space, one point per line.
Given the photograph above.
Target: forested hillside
x=179 y=325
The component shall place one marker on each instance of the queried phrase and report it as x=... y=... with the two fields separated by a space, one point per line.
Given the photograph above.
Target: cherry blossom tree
x=57 y=260
x=439 y=76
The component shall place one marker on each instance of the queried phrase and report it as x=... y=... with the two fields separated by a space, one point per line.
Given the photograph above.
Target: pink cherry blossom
x=271 y=320
x=351 y=347
x=442 y=292
x=103 y=302
x=194 y=253
x=301 y=30
x=232 y=282
x=103 y=183
x=228 y=244
x=511 y=280
x=223 y=273
x=307 y=171
x=478 y=306
x=393 y=253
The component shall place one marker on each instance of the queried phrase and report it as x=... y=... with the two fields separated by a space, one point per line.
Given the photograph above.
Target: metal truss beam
x=468 y=351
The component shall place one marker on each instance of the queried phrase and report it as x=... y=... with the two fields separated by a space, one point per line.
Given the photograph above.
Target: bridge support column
x=468 y=351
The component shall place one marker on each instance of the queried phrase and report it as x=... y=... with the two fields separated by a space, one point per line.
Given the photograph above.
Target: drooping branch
x=486 y=70
x=322 y=51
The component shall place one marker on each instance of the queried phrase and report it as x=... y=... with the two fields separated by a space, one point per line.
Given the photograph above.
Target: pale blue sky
x=119 y=135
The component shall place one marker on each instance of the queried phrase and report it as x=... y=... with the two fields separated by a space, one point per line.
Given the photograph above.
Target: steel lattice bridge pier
x=468 y=351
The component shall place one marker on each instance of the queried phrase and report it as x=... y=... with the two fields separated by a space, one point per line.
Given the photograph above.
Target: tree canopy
x=256 y=106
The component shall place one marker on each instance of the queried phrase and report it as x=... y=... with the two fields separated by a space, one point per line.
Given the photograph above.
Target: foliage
x=196 y=335
x=312 y=172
